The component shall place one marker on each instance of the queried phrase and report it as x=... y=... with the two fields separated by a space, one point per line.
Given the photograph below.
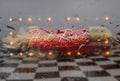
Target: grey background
x=87 y=10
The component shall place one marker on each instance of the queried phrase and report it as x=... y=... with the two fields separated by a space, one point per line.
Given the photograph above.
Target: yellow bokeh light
x=21 y=54
x=11 y=43
x=20 y=19
x=30 y=19
x=68 y=19
x=50 y=53
x=107 y=53
x=69 y=53
x=10 y=19
x=30 y=54
x=106 y=41
x=78 y=53
x=11 y=54
x=77 y=19
x=10 y=33
x=106 y=18
x=49 y=19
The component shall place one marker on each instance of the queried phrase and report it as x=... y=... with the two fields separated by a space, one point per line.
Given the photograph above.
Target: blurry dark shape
x=110 y=22
x=74 y=79
x=102 y=25
x=11 y=27
x=118 y=33
x=46 y=31
x=14 y=20
x=59 y=31
x=3 y=50
x=0 y=17
x=84 y=30
x=114 y=43
x=0 y=30
x=117 y=26
x=0 y=42
x=23 y=48
x=73 y=26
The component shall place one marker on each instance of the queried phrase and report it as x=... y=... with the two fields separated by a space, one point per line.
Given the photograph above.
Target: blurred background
x=15 y=14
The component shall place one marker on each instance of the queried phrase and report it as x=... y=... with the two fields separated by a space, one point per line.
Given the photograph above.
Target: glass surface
x=59 y=40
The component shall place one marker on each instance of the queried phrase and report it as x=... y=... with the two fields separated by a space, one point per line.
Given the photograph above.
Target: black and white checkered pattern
x=93 y=68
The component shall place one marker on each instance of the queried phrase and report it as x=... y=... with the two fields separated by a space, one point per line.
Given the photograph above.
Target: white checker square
x=72 y=74
x=47 y=61
x=27 y=65
x=90 y=68
x=67 y=64
x=105 y=62
x=48 y=79
x=13 y=61
x=83 y=60
x=7 y=69
x=114 y=72
x=21 y=76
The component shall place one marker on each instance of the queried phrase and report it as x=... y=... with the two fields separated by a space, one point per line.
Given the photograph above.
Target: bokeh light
x=69 y=53
x=11 y=54
x=11 y=43
x=20 y=19
x=11 y=33
x=30 y=19
x=77 y=18
x=10 y=19
x=68 y=19
x=107 y=18
x=49 y=19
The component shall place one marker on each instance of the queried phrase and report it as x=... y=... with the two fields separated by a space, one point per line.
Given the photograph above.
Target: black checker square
x=100 y=59
x=47 y=75
x=74 y=79
x=86 y=63
x=112 y=66
x=30 y=61
x=8 y=64
x=66 y=60
x=4 y=75
x=62 y=68
x=25 y=70
x=96 y=73
x=117 y=77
